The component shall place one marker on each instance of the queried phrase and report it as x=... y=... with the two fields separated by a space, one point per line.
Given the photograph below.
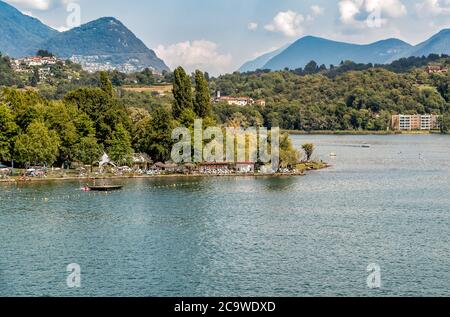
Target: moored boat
x=105 y=188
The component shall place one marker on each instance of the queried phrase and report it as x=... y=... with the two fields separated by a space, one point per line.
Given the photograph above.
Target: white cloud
x=354 y=12
x=433 y=7
x=391 y=8
x=288 y=23
x=317 y=10
x=194 y=55
x=348 y=10
x=253 y=26
x=41 y=5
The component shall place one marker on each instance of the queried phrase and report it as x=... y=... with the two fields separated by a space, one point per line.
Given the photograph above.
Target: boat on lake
x=105 y=188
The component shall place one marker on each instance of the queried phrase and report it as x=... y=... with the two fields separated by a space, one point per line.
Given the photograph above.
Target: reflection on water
x=278 y=183
x=289 y=236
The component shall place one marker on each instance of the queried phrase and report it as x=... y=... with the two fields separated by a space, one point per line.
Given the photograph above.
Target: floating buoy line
x=19 y=194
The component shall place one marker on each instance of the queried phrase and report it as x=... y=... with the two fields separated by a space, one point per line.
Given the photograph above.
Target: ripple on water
x=291 y=236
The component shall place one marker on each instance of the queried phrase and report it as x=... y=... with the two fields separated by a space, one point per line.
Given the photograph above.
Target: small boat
x=366 y=146
x=105 y=188
x=333 y=155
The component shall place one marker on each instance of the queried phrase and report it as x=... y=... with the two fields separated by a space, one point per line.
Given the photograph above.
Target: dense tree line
x=77 y=121
x=34 y=130
x=90 y=120
x=354 y=100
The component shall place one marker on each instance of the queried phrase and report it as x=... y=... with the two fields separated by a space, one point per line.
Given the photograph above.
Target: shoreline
x=168 y=176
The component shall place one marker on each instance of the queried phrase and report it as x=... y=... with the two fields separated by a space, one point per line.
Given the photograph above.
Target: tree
x=289 y=156
x=88 y=151
x=84 y=125
x=8 y=130
x=37 y=145
x=27 y=106
x=187 y=118
x=309 y=150
x=117 y=78
x=120 y=149
x=158 y=139
x=8 y=77
x=35 y=78
x=182 y=92
x=202 y=103
x=145 y=77
x=104 y=111
x=60 y=118
x=311 y=68
x=106 y=84
x=237 y=120
x=44 y=53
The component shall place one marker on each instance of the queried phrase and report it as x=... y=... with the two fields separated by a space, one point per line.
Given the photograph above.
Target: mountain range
x=101 y=44
x=328 y=52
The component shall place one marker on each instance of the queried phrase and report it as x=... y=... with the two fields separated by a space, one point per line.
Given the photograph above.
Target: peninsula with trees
x=71 y=117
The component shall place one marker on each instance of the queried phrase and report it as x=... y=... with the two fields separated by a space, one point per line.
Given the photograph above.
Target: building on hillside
x=415 y=122
x=39 y=61
x=435 y=69
x=26 y=64
x=238 y=101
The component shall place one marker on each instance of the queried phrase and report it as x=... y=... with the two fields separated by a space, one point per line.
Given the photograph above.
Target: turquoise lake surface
x=243 y=236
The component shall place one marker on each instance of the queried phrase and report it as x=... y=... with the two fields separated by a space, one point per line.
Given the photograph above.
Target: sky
x=218 y=36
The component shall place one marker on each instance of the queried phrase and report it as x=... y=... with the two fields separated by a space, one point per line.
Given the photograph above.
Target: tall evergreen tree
x=202 y=103
x=182 y=92
x=106 y=84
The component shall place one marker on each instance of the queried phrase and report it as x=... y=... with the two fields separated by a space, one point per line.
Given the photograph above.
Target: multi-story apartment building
x=415 y=122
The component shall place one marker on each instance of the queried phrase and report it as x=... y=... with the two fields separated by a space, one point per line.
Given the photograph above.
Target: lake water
x=290 y=236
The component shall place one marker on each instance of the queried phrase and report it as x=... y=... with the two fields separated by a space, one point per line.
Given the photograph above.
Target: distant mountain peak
x=437 y=44
x=391 y=40
x=325 y=51
x=105 y=43
x=18 y=31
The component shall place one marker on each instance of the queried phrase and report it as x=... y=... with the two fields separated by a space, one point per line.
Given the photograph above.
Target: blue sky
x=220 y=35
